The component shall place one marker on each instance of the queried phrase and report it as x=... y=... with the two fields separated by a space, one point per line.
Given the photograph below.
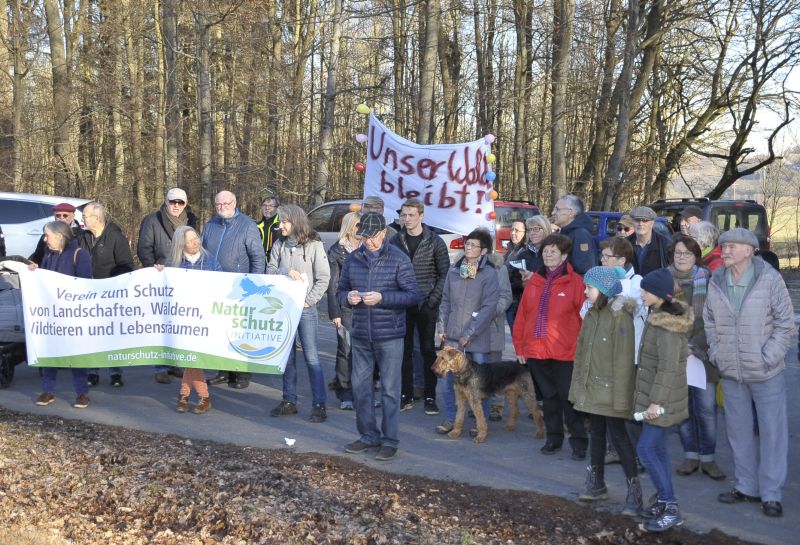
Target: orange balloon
x=493 y=195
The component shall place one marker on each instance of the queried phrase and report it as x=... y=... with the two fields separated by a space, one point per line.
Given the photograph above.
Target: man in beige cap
x=651 y=250
x=625 y=226
x=155 y=243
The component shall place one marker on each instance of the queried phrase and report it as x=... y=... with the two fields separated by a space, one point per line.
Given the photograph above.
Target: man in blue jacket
x=377 y=281
x=235 y=242
x=569 y=215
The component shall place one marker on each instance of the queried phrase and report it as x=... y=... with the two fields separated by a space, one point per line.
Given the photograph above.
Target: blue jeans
x=78 y=380
x=653 y=451
x=480 y=358
x=699 y=431
x=389 y=357
x=307 y=332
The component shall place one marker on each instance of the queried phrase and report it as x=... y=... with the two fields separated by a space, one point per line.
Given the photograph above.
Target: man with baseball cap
x=749 y=324
x=377 y=281
x=651 y=250
x=61 y=212
x=155 y=243
x=689 y=216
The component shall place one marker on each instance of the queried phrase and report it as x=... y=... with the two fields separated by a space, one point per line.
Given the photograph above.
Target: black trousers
x=617 y=432
x=423 y=322
x=554 y=378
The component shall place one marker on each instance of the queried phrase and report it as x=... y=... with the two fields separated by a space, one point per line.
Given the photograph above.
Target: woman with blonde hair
x=539 y=228
x=342 y=317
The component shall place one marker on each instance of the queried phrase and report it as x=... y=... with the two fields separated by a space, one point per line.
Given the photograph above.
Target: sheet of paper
x=695 y=373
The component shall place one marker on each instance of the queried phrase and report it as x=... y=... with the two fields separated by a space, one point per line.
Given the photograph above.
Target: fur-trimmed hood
x=681 y=323
x=623 y=303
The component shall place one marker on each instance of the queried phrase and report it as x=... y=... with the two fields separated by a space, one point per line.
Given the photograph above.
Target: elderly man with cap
x=625 y=226
x=651 y=250
x=64 y=212
x=573 y=222
x=749 y=323
x=155 y=243
x=377 y=281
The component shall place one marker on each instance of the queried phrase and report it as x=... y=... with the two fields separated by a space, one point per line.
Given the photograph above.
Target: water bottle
x=640 y=415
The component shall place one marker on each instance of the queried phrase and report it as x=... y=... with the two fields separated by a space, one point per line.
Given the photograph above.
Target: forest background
x=619 y=102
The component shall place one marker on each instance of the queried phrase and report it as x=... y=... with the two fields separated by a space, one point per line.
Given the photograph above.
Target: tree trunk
x=173 y=130
x=205 y=134
x=450 y=61
x=522 y=95
x=17 y=37
x=563 y=13
x=134 y=53
x=428 y=72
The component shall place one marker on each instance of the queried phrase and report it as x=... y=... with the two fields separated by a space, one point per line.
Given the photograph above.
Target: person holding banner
x=300 y=255
x=378 y=283
x=187 y=253
x=65 y=256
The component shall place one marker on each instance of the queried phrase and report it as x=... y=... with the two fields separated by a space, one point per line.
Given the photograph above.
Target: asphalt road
x=508 y=460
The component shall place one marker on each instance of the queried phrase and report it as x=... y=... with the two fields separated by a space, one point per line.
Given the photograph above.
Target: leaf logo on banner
x=274 y=303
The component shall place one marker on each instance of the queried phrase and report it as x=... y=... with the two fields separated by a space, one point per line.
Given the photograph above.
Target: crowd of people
x=606 y=332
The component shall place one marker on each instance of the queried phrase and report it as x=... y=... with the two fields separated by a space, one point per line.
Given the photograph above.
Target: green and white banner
x=207 y=320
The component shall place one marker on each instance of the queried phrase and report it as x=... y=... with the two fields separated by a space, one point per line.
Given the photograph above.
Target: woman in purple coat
x=63 y=255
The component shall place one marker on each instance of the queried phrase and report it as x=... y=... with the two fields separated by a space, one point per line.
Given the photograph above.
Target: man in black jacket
x=111 y=256
x=428 y=254
x=155 y=244
x=577 y=225
x=651 y=250
x=61 y=212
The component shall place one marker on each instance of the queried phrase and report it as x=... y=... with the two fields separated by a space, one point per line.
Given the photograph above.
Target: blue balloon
x=491 y=176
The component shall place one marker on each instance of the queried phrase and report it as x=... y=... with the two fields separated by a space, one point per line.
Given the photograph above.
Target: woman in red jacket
x=545 y=337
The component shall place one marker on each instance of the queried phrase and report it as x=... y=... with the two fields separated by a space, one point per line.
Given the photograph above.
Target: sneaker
x=318 y=414
x=93 y=379
x=116 y=381
x=162 y=377
x=46 y=398
x=183 y=404
x=669 y=517
x=346 y=406
x=81 y=402
x=496 y=413
x=652 y=510
x=406 y=403
x=430 y=407
x=386 y=453
x=203 y=407
x=358 y=446
x=444 y=427
x=772 y=508
x=284 y=408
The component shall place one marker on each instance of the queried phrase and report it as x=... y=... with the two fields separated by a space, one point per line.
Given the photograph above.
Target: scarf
x=192 y=258
x=468 y=270
x=540 y=328
x=694 y=284
x=172 y=222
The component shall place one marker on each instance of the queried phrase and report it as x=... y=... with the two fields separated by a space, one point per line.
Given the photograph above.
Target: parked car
x=23 y=215
x=605 y=225
x=725 y=214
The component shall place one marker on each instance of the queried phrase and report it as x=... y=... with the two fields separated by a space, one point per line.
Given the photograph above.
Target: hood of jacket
x=681 y=323
x=620 y=303
x=581 y=221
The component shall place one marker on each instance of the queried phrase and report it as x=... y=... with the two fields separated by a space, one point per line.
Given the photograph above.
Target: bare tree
x=563 y=13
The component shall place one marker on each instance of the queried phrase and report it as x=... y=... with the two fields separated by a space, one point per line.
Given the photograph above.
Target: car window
x=611 y=227
x=595 y=225
x=506 y=215
x=724 y=219
x=755 y=221
x=337 y=215
x=21 y=211
x=320 y=219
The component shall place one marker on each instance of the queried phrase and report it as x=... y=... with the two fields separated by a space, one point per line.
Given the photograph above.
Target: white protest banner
x=206 y=320
x=450 y=179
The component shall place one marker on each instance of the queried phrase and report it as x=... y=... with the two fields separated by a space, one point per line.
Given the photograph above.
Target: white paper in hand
x=695 y=372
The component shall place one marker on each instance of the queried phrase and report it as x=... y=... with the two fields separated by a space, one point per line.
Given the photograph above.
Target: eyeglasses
x=62 y=215
x=623 y=228
x=177 y=202
x=223 y=204
x=536 y=229
x=683 y=255
x=607 y=256
x=267 y=205
x=472 y=245
x=517 y=230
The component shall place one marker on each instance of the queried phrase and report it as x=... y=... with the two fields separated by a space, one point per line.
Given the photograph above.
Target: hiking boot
x=669 y=517
x=346 y=405
x=46 y=398
x=652 y=510
x=633 y=500
x=386 y=453
x=444 y=427
x=712 y=470
x=183 y=404
x=93 y=379
x=175 y=372
x=688 y=467
x=772 y=508
x=284 y=408
x=496 y=413
x=595 y=487
x=162 y=377
x=318 y=414
x=116 y=381
x=358 y=446
x=81 y=402
x=406 y=403
x=203 y=407
x=430 y=407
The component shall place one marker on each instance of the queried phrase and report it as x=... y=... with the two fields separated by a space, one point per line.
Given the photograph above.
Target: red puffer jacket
x=563 y=317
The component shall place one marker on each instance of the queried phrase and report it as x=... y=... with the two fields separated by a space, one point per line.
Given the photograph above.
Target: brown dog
x=474 y=383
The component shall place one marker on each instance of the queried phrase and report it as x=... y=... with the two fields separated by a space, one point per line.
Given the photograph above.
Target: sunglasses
x=177 y=202
x=623 y=228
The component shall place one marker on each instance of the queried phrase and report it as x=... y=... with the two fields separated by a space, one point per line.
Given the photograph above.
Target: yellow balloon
x=493 y=195
x=362 y=108
x=491 y=158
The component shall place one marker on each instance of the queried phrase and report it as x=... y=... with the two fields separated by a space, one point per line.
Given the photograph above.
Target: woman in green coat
x=661 y=396
x=602 y=381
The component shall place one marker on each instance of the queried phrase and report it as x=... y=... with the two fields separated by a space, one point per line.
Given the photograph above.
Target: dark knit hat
x=660 y=283
x=64 y=207
x=605 y=279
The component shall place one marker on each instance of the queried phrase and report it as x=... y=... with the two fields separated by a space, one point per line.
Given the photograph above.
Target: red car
x=506 y=212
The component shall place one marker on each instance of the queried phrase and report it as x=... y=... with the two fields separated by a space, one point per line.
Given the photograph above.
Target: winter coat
x=155 y=236
x=431 y=262
x=390 y=273
x=603 y=375
x=661 y=374
x=41 y=246
x=504 y=298
x=563 y=317
x=713 y=260
x=750 y=347
x=309 y=260
x=72 y=261
x=584 y=252
x=270 y=232
x=235 y=243
x=336 y=256
x=655 y=257
x=111 y=252
x=469 y=305
x=698 y=345
x=533 y=262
